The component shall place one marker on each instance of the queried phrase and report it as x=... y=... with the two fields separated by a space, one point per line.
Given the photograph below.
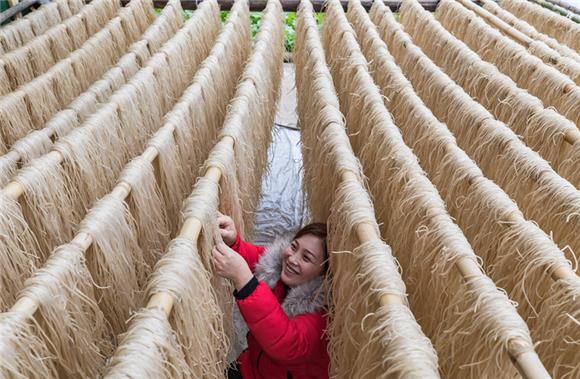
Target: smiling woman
x=280 y=320
x=305 y=258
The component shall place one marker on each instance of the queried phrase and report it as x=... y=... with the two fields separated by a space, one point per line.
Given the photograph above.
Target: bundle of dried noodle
x=67 y=8
x=15 y=118
x=160 y=31
x=96 y=14
x=520 y=256
x=564 y=355
x=384 y=340
x=19 y=32
x=151 y=338
x=59 y=187
x=60 y=42
x=529 y=30
x=71 y=325
x=32 y=146
x=18 y=67
x=66 y=85
x=46 y=16
x=41 y=100
x=230 y=189
x=195 y=118
x=548 y=84
x=75 y=5
x=52 y=91
x=147 y=208
x=202 y=205
x=78 y=25
x=115 y=259
x=19 y=251
x=23 y=352
x=5 y=86
x=171 y=173
x=49 y=203
x=15 y=34
x=398 y=183
x=8 y=166
x=255 y=90
x=549 y=22
x=496 y=149
x=374 y=329
x=91 y=172
x=542 y=129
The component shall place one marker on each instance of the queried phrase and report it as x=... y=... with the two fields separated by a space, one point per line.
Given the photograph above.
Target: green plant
x=256 y=18
x=289 y=26
x=290 y=30
x=187 y=14
x=224 y=16
x=255 y=21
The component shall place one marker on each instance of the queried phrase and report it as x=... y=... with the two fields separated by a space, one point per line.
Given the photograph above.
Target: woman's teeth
x=290 y=270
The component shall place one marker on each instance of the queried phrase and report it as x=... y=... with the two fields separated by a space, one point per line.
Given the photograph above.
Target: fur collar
x=305 y=298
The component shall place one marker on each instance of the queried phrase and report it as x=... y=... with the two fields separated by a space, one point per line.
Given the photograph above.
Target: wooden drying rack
x=572 y=136
x=292 y=5
x=255 y=5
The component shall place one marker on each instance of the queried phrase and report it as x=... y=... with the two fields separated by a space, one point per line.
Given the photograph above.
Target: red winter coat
x=279 y=347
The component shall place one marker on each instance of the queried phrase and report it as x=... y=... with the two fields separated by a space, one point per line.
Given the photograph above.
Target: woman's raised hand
x=229 y=264
x=227 y=229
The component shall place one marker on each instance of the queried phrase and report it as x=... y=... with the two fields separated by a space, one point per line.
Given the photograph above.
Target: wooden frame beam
x=292 y=5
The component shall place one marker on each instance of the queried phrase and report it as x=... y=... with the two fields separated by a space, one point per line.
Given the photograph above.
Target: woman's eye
x=306 y=259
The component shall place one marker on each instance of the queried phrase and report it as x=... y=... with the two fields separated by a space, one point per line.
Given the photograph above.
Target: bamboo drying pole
x=366 y=233
x=191 y=230
x=527 y=363
x=467 y=269
x=122 y=190
x=572 y=136
x=558 y=272
x=498 y=23
x=15 y=156
x=512 y=20
x=15 y=189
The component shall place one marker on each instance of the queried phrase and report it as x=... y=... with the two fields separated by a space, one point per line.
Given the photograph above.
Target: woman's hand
x=231 y=265
x=227 y=229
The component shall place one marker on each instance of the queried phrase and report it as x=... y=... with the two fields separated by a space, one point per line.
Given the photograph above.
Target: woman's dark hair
x=317 y=229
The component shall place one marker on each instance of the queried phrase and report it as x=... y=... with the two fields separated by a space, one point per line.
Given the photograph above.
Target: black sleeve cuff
x=247 y=289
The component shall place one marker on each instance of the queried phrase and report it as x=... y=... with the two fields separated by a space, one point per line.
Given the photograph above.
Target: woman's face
x=302 y=260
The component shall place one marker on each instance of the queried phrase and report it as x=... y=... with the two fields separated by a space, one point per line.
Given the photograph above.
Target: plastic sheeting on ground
x=282 y=208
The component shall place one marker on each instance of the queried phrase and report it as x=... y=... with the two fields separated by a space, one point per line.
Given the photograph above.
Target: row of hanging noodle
x=442 y=153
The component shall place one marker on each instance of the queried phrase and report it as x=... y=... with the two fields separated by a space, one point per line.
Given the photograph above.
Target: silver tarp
x=282 y=207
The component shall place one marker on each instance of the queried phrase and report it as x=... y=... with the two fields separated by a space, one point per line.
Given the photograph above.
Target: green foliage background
x=256 y=18
x=289 y=25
